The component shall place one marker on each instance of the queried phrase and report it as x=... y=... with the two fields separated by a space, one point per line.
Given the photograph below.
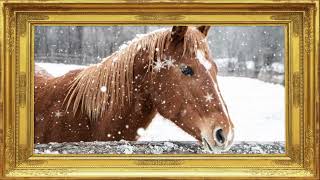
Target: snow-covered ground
x=58 y=69
x=257 y=110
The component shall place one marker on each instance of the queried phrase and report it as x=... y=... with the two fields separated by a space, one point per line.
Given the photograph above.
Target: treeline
x=80 y=45
x=250 y=51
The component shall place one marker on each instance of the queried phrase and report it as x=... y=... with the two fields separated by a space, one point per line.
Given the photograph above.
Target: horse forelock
x=107 y=86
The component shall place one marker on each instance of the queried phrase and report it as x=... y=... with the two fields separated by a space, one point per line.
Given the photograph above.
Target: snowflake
x=58 y=114
x=169 y=62
x=208 y=97
x=158 y=65
x=103 y=89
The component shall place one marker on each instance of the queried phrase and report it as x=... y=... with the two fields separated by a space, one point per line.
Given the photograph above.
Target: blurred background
x=240 y=51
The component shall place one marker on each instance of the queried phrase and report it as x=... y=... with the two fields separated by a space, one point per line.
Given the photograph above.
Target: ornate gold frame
x=300 y=19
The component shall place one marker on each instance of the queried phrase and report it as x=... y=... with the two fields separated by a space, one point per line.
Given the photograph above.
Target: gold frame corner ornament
x=300 y=20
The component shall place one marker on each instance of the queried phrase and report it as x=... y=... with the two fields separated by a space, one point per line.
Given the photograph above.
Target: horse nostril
x=219 y=136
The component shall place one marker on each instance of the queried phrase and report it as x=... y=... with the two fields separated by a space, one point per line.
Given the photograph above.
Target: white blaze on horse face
x=203 y=60
x=220 y=99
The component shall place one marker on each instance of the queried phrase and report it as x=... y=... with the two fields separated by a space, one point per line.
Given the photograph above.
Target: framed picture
x=173 y=89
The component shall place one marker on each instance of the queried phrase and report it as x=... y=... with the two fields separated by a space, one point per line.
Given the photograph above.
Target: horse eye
x=187 y=70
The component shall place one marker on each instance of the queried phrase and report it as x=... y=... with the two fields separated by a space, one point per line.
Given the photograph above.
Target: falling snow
x=208 y=97
x=158 y=65
x=263 y=113
x=103 y=89
x=169 y=62
x=58 y=114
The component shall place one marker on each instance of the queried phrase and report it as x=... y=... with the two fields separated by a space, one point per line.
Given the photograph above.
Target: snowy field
x=256 y=108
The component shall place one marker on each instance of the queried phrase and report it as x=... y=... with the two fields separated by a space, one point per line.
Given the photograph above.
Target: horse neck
x=138 y=113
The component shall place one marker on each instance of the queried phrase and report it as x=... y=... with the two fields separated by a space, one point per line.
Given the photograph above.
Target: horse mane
x=115 y=72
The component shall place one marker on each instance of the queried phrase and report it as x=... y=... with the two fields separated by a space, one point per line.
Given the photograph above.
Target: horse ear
x=204 y=29
x=178 y=32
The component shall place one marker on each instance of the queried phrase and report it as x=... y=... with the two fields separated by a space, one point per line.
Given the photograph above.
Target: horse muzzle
x=219 y=140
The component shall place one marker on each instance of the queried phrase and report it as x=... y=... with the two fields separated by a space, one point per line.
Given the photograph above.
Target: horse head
x=186 y=91
x=167 y=71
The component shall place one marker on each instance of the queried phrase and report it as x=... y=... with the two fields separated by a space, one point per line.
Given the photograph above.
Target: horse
x=169 y=71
